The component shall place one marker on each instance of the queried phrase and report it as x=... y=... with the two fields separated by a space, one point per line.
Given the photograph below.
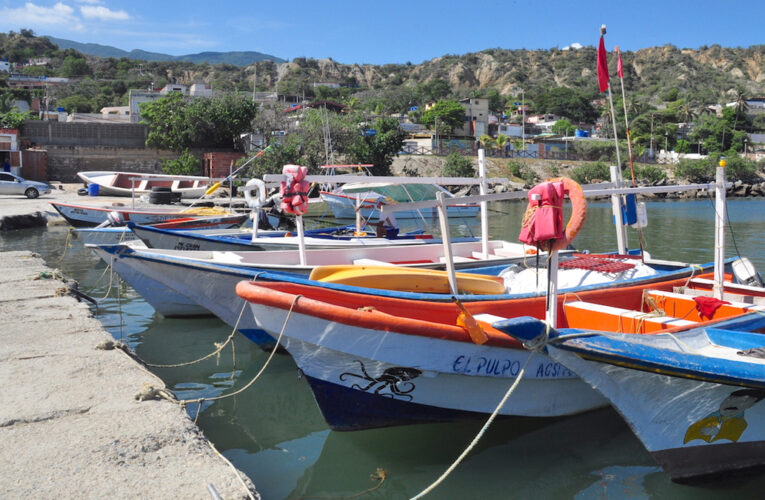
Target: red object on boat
x=294 y=191
x=543 y=220
x=707 y=306
x=596 y=264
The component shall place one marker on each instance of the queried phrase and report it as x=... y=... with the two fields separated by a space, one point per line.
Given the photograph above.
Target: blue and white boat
x=691 y=390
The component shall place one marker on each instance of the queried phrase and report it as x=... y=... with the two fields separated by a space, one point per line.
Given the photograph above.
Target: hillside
x=654 y=77
x=239 y=58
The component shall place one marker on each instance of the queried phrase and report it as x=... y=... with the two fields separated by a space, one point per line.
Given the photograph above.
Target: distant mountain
x=243 y=58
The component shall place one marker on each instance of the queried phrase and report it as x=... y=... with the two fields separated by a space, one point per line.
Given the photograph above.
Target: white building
x=200 y=90
x=5 y=66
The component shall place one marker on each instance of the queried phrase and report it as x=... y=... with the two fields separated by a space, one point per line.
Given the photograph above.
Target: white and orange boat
x=137 y=183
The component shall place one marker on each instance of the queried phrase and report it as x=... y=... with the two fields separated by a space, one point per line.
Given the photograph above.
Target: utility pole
x=254 y=80
x=523 y=118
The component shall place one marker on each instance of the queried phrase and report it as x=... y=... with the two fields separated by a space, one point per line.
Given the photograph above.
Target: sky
x=391 y=31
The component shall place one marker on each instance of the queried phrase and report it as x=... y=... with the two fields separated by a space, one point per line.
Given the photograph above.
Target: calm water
x=275 y=433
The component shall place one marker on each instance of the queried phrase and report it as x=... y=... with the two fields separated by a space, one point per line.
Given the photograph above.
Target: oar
x=469 y=323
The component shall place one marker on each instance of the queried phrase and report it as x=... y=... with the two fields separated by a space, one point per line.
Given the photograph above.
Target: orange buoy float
x=543 y=220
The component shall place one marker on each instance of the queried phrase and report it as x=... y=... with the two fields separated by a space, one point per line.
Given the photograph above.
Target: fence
x=535 y=154
x=125 y=135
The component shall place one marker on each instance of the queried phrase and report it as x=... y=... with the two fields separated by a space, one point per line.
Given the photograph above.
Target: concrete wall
x=64 y=162
x=47 y=133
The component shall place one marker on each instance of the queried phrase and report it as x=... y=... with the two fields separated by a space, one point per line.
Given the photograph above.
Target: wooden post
x=720 y=217
x=301 y=239
x=446 y=239
x=616 y=206
x=484 y=204
x=551 y=316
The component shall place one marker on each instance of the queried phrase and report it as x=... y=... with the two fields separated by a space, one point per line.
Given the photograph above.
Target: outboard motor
x=745 y=272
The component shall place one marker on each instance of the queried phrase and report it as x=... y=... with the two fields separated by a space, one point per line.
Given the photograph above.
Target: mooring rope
x=67 y=243
x=184 y=402
x=219 y=347
x=480 y=434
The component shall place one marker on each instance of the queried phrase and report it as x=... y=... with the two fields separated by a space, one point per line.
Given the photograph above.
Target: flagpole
x=621 y=232
x=620 y=73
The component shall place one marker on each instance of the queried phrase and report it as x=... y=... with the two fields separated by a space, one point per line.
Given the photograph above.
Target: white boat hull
x=365 y=378
x=692 y=428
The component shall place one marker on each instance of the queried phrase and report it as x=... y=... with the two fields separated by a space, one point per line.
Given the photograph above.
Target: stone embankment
x=71 y=422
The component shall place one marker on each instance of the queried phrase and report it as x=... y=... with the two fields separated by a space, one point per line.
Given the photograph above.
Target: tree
x=570 y=103
x=179 y=123
x=450 y=115
x=500 y=143
x=380 y=147
x=563 y=127
x=74 y=66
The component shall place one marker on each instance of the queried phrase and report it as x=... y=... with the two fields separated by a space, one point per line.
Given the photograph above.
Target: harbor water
x=273 y=431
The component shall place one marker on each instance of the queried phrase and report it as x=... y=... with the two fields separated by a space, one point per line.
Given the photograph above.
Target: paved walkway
x=70 y=423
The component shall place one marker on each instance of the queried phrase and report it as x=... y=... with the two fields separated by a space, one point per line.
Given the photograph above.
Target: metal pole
x=720 y=217
x=484 y=204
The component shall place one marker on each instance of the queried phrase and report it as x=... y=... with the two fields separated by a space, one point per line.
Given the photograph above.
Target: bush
x=694 y=170
x=587 y=174
x=458 y=166
x=518 y=170
x=185 y=164
x=650 y=174
x=738 y=168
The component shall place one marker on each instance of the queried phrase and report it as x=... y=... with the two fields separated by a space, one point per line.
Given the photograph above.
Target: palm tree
x=500 y=142
x=687 y=112
x=487 y=141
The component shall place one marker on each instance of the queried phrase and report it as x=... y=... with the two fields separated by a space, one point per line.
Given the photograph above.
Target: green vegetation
x=445 y=115
x=591 y=172
x=457 y=165
x=179 y=123
x=185 y=164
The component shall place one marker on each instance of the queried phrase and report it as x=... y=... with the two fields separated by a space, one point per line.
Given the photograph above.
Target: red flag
x=602 y=66
x=619 y=67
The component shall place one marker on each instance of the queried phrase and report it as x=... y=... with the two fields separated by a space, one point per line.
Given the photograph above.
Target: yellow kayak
x=405 y=279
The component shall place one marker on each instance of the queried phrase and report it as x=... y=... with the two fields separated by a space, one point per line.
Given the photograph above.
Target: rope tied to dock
x=485 y=427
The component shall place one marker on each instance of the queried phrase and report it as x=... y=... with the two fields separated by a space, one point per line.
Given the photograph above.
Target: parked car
x=13 y=184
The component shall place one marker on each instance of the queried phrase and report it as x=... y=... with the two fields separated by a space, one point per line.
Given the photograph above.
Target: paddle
x=469 y=323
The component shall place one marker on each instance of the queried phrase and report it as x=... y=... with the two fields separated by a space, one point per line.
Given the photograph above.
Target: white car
x=13 y=184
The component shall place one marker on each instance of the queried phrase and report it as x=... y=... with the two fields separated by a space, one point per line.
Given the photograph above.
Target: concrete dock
x=70 y=423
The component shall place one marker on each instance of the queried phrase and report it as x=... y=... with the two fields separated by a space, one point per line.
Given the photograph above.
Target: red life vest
x=294 y=190
x=543 y=220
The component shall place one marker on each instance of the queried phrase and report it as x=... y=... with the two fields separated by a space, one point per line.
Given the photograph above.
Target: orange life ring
x=578 y=211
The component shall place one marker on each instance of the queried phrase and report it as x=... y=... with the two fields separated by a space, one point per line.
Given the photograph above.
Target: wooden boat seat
x=683 y=306
x=590 y=316
x=506 y=252
x=732 y=291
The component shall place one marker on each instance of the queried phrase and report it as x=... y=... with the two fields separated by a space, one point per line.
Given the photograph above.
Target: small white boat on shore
x=130 y=183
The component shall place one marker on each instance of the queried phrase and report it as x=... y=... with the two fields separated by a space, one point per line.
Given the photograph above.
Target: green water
x=275 y=434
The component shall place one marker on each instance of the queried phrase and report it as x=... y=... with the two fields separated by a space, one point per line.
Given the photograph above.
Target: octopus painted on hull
x=394 y=380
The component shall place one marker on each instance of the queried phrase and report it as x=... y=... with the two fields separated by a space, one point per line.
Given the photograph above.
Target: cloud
x=103 y=13
x=574 y=46
x=32 y=15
